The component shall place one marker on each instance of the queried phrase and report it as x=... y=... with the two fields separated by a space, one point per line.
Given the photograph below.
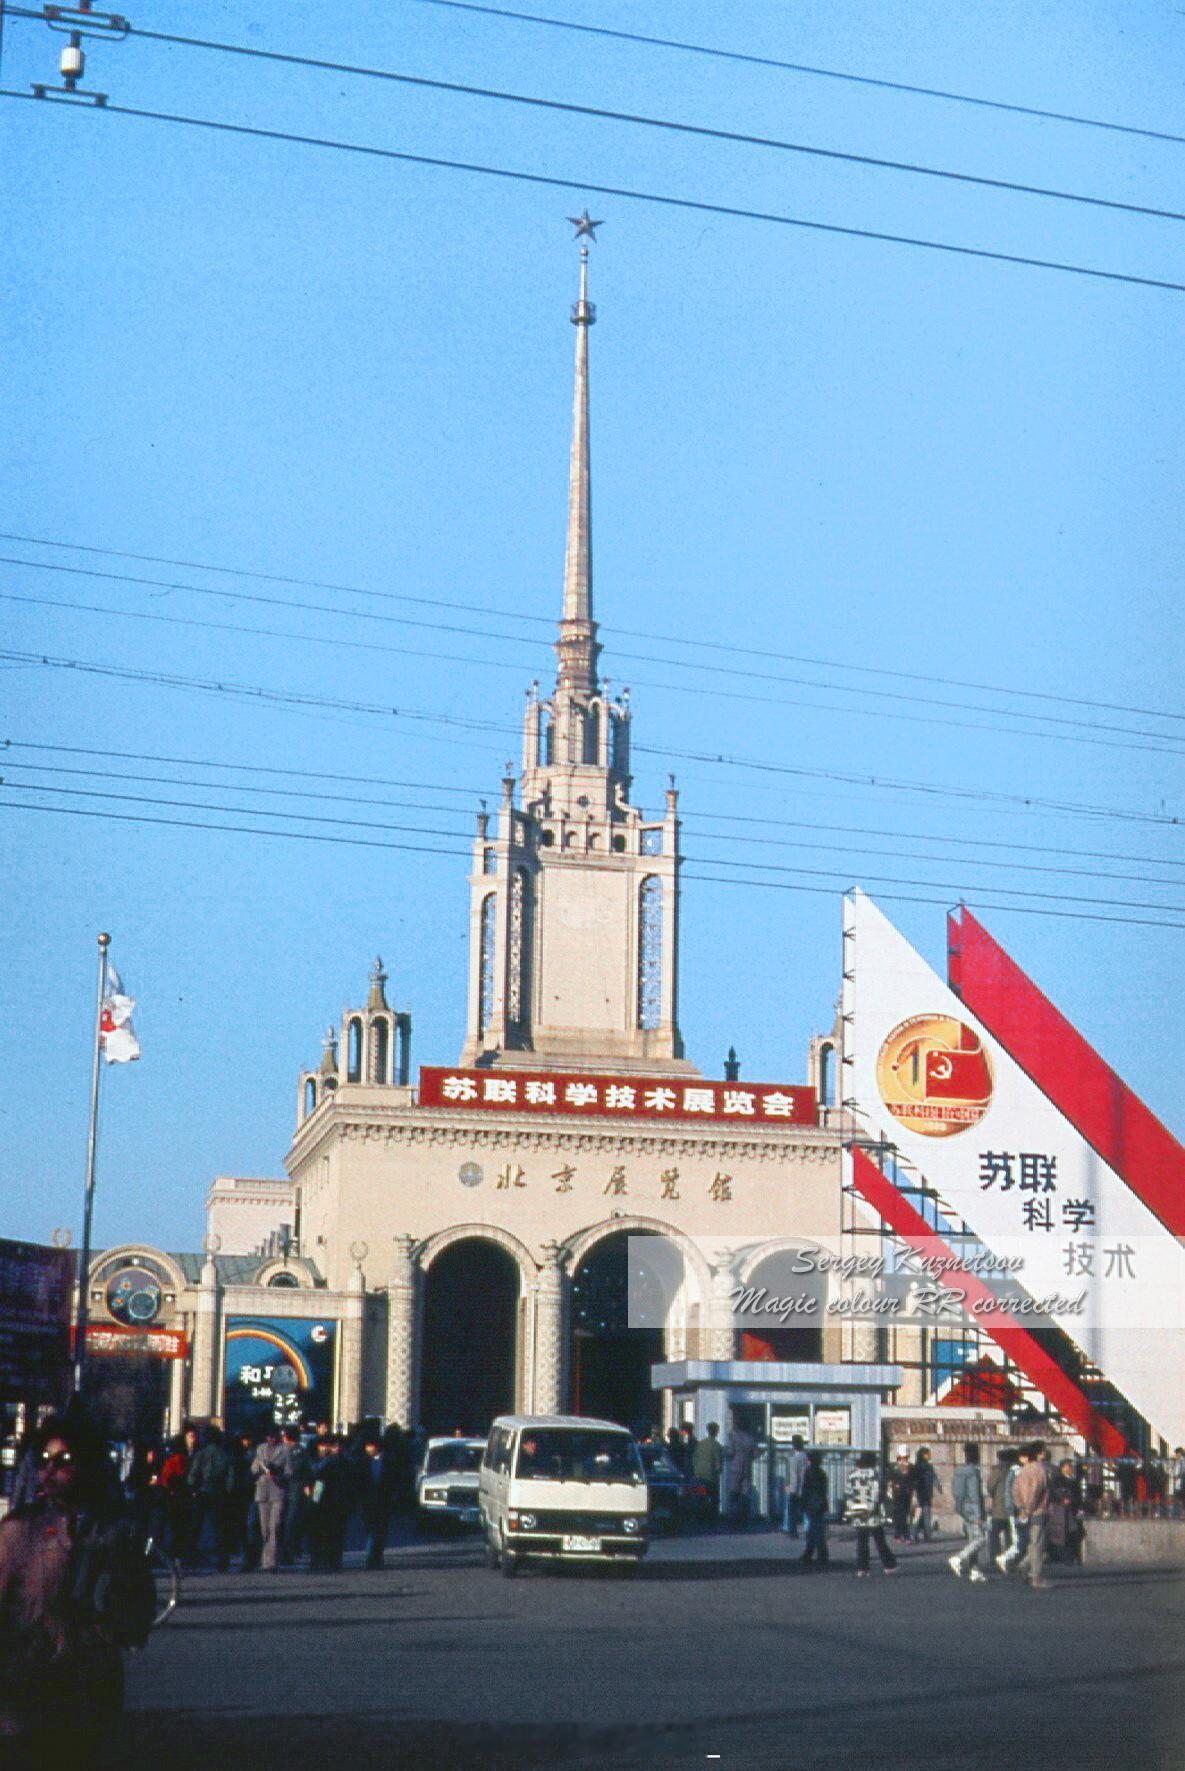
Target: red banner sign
x=162 y=1343
x=618 y=1097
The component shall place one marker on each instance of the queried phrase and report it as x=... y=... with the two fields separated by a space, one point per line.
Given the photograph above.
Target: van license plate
x=582 y=1543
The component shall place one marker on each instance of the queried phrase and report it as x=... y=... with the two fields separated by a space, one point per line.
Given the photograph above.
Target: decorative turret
x=375 y=1041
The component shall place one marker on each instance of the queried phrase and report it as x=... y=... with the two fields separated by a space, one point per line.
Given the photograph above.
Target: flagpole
x=92 y=1137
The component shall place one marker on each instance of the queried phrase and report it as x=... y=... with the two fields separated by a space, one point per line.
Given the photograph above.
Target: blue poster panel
x=278 y=1372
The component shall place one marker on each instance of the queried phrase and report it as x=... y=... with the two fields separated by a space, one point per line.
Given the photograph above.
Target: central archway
x=610 y=1360
x=471 y=1308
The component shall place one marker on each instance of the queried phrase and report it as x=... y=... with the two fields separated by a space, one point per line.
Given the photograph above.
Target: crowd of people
x=270 y=1500
x=1019 y=1515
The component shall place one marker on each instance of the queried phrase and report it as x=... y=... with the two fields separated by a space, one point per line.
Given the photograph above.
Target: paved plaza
x=721 y=1652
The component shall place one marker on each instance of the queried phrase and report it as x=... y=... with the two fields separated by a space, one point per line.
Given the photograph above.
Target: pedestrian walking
x=210 y=1479
x=742 y=1448
x=793 y=1505
x=707 y=1464
x=926 y=1487
x=1031 y=1493
x=298 y=1479
x=995 y=1493
x=1018 y=1533
x=815 y=1501
x=331 y=1503
x=900 y=1494
x=268 y=1467
x=864 y=1507
x=174 y=1481
x=376 y=1485
x=1066 y=1531
x=969 y=1502
x=75 y=1591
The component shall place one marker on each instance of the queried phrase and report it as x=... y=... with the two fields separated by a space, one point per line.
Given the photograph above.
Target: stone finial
x=329 y=1053
x=377 y=996
x=732 y=1065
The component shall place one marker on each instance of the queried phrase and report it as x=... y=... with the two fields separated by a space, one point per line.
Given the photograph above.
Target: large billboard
x=278 y=1372
x=926 y=1075
x=36 y=1296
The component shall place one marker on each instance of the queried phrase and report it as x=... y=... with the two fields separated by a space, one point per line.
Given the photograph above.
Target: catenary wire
x=601 y=113
x=548 y=621
x=792 y=67
x=693 y=823
x=769 y=885
x=694 y=205
x=1164 y=746
x=298 y=698
x=475 y=793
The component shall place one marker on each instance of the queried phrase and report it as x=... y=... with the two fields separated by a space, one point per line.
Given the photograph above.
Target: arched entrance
x=610 y=1360
x=471 y=1296
x=795 y=1337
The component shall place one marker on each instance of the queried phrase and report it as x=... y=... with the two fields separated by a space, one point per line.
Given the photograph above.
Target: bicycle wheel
x=166 y=1578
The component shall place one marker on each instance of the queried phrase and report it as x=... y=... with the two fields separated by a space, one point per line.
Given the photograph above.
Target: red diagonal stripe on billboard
x=1100 y=1106
x=908 y=1224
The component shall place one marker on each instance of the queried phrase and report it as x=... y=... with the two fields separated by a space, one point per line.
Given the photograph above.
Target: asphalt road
x=721 y=1652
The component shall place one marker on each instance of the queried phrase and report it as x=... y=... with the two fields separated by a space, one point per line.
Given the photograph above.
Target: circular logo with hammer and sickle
x=934 y=1075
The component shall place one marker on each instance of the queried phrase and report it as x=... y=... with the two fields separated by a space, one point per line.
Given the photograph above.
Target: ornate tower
x=574 y=894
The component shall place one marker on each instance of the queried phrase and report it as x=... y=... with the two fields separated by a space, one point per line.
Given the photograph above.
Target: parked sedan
x=446 y=1487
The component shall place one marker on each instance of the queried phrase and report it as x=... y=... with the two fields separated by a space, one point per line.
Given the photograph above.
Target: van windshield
x=578 y=1454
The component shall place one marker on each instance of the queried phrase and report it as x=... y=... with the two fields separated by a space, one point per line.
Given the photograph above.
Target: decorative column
x=203 y=1385
x=401 y=1333
x=718 y=1336
x=549 y=1333
x=349 y=1405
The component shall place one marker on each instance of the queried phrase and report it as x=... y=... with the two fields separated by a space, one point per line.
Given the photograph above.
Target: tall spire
x=577 y=647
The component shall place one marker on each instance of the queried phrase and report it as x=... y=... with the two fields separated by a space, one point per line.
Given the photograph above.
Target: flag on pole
x=116 y=1033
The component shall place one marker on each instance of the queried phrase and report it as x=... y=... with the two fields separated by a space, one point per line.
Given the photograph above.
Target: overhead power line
x=667 y=639
x=695 y=823
x=795 y=67
x=1164 y=743
x=602 y=113
x=892 y=879
x=479 y=793
x=716 y=879
x=286 y=697
x=694 y=205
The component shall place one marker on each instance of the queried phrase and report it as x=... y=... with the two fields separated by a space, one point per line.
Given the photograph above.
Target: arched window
x=310 y=1096
x=380 y=1050
x=485 y=982
x=650 y=953
x=827 y=1075
x=546 y=737
x=354 y=1051
x=519 y=958
x=592 y=735
x=620 y=758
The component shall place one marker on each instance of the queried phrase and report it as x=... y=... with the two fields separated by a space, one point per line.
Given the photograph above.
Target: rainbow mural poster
x=278 y=1371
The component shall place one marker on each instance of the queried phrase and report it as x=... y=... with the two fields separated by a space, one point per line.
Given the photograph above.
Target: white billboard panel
x=923 y=1073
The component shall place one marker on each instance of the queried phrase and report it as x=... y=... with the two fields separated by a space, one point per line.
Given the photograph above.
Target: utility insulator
x=72 y=63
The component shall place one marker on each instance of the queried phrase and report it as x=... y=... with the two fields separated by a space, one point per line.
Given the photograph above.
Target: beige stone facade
x=574 y=952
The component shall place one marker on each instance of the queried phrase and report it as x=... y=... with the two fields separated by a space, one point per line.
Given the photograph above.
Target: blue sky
x=303 y=363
